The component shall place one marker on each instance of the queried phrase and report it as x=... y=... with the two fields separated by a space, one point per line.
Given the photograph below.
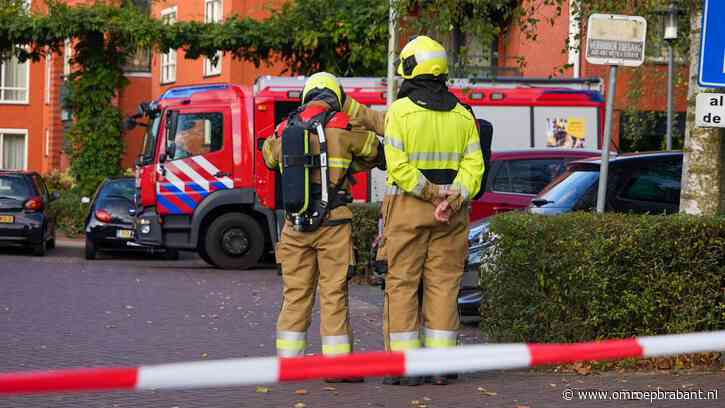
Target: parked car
x=643 y=183
x=514 y=177
x=110 y=221
x=24 y=216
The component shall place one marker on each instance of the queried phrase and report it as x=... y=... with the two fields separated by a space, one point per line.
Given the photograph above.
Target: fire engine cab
x=203 y=185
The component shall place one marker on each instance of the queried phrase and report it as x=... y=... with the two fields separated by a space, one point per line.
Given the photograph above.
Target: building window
x=213 y=14
x=13 y=149
x=138 y=62
x=14 y=79
x=67 y=55
x=48 y=75
x=168 y=60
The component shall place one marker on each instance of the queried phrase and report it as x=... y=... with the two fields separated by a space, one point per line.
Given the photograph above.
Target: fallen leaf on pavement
x=328 y=388
x=204 y=355
x=414 y=402
x=301 y=391
x=582 y=368
x=426 y=399
x=522 y=406
x=300 y=405
x=486 y=392
x=262 y=390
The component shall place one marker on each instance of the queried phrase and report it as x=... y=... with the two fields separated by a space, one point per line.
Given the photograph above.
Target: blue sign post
x=712 y=49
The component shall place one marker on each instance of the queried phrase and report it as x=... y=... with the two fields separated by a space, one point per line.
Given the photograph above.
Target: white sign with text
x=710 y=110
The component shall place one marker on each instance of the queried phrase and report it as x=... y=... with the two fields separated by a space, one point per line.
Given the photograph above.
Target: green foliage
x=364 y=230
x=585 y=276
x=60 y=181
x=344 y=37
x=69 y=213
x=645 y=131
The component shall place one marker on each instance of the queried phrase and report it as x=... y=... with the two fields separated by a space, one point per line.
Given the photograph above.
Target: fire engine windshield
x=149 y=143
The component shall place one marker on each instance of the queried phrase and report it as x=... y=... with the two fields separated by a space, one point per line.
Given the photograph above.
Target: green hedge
x=585 y=276
x=364 y=231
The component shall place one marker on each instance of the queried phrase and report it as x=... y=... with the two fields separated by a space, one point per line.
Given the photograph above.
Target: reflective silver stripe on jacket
x=435 y=156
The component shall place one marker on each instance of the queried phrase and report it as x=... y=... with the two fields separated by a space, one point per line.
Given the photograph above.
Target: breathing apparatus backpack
x=306 y=204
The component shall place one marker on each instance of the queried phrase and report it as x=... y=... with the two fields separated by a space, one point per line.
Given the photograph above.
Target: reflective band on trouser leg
x=290 y=343
x=440 y=338
x=404 y=341
x=336 y=345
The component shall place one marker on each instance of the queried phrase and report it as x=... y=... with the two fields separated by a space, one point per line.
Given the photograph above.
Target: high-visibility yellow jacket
x=424 y=147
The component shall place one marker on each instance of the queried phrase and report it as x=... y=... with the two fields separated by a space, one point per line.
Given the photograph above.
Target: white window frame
x=209 y=68
x=48 y=75
x=24 y=101
x=168 y=59
x=24 y=133
x=67 y=55
x=47 y=142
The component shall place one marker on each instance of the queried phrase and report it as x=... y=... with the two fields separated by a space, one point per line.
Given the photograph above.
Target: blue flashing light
x=188 y=91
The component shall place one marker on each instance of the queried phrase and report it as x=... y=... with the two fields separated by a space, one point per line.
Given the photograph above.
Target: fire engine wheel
x=234 y=241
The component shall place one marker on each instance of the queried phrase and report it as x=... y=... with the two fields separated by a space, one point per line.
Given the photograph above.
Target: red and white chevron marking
x=270 y=370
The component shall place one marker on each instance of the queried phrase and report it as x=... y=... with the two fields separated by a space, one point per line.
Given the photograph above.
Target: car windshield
x=14 y=187
x=568 y=189
x=117 y=189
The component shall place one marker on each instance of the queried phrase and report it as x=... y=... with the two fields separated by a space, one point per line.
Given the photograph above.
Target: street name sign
x=616 y=40
x=710 y=110
x=712 y=46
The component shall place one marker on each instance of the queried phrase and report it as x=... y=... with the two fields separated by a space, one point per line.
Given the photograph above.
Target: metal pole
x=604 y=168
x=392 y=45
x=670 y=79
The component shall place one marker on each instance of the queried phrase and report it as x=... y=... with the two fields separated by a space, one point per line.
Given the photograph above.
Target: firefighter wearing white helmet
x=434 y=165
x=316 y=151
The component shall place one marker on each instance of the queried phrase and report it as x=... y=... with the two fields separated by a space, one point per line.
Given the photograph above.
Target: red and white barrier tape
x=270 y=370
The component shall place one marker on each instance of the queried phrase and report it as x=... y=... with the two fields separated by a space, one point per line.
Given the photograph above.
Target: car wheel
x=171 y=254
x=91 y=250
x=234 y=241
x=40 y=249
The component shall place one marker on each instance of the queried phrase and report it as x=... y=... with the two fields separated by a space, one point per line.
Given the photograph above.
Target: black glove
x=343 y=97
x=382 y=163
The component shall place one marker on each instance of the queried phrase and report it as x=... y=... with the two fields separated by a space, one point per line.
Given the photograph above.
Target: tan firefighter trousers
x=419 y=250
x=311 y=259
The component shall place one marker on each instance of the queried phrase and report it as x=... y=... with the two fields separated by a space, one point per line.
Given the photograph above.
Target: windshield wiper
x=539 y=202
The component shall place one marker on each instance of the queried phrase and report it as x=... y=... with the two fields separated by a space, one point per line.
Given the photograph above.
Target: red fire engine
x=203 y=185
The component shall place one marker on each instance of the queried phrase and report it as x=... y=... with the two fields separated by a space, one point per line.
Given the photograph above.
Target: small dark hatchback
x=24 y=216
x=110 y=219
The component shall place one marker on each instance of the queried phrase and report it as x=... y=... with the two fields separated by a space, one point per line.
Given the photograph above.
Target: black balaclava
x=428 y=91
x=325 y=95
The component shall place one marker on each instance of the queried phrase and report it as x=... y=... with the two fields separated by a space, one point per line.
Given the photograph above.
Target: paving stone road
x=62 y=311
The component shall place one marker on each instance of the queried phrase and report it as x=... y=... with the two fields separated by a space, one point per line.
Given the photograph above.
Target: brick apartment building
x=32 y=120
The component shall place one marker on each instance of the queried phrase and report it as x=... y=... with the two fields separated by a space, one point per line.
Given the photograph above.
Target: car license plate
x=124 y=234
x=7 y=219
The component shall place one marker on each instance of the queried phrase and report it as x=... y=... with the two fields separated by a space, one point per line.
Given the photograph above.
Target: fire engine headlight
x=145 y=229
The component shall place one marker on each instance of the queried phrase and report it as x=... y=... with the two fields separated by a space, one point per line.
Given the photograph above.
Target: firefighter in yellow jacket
x=434 y=165
x=316 y=243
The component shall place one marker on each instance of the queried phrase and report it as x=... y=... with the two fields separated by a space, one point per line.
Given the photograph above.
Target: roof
x=543 y=152
x=24 y=172
x=631 y=157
